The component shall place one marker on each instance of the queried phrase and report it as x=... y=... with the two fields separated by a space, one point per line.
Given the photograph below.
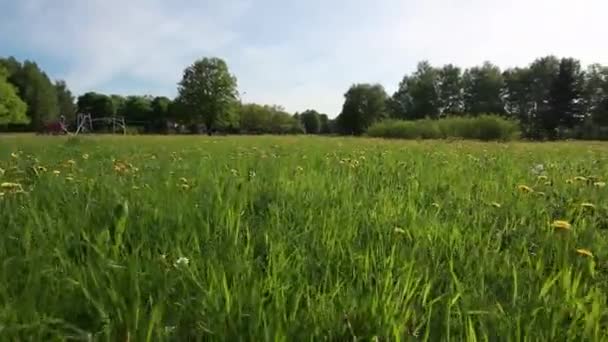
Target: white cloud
x=300 y=54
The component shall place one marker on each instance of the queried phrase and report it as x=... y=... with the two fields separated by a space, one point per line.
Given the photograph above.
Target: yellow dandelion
x=85 y=156
x=599 y=184
x=496 y=204
x=587 y=205
x=56 y=172
x=399 y=230
x=542 y=178
x=525 y=188
x=14 y=155
x=561 y=225
x=580 y=178
x=584 y=252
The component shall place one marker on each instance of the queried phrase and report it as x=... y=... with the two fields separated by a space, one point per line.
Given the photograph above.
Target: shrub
x=483 y=127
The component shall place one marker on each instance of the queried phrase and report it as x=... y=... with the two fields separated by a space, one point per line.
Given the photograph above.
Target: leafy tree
x=595 y=94
x=12 y=108
x=564 y=97
x=36 y=90
x=160 y=107
x=417 y=96
x=209 y=92
x=138 y=108
x=118 y=104
x=517 y=96
x=449 y=90
x=65 y=100
x=482 y=90
x=311 y=121
x=255 y=118
x=325 y=124
x=364 y=104
x=98 y=105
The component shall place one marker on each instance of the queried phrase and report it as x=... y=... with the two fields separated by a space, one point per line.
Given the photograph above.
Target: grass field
x=296 y=238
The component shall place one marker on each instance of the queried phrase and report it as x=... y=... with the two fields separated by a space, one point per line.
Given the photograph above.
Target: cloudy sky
x=299 y=54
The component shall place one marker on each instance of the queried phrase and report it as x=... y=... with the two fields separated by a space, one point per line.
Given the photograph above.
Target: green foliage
x=259 y=119
x=98 y=105
x=301 y=239
x=311 y=120
x=417 y=96
x=480 y=127
x=12 y=108
x=209 y=92
x=138 y=108
x=65 y=100
x=35 y=89
x=482 y=87
x=364 y=105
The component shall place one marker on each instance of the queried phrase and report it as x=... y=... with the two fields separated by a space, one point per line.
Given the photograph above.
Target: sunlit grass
x=298 y=238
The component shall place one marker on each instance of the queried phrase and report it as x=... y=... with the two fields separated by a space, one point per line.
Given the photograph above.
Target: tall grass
x=165 y=238
x=483 y=127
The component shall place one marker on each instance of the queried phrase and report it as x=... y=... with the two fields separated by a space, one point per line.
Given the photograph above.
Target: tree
x=65 y=100
x=12 y=109
x=138 y=108
x=118 y=104
x=255 y=118
x=595 y=94
x=325 y=124
x=482 y=90
x=564 y=98
x=449 y=90
x=98 y=105
x=209 y=92
x=517 y=96
x=364 y=104
x=160 y=108
x=311 y=121
x=417 y=96
x=36 y=90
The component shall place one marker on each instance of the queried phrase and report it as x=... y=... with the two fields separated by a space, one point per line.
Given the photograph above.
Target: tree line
x=550 y=98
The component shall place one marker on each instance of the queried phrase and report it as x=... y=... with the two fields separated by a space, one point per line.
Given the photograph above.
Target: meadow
x=301 y=238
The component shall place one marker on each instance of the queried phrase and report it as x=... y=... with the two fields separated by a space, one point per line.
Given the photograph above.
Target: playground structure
x=84 y=124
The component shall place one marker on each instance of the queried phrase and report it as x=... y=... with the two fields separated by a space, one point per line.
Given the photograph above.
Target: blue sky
x=298 y=54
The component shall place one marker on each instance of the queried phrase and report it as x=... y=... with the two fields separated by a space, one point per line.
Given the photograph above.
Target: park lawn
x=301 y=238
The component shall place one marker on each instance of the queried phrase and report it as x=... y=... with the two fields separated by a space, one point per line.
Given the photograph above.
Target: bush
x=483 y=127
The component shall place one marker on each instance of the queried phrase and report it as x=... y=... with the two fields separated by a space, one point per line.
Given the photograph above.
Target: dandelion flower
x=599 y=184
x=85 y=156
x=584 y=252
x=182 y=261
x=14 y=155
x=542 y=178
x=183 y=180
x=41 y=169
x=588 y=205
x=561 y=225
x=525 y=188
x=71 y=162
x=496 y=204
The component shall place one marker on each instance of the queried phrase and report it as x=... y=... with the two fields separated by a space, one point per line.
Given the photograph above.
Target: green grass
x=294 y=239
